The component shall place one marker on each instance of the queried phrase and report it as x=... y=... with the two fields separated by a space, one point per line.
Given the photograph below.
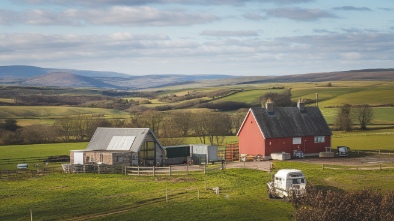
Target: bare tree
x=211 y=126
x=237 y=118
x=199 y=125
x=281 y=100
x=363 y=114
x=150 y=119
x=183 y=122
x=343 y=120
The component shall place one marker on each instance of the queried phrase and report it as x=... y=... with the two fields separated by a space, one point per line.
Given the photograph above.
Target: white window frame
x=319 y=139
x=297 y=140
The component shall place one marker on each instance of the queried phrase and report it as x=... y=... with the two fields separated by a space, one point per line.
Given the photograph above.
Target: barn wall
x=251 y=140
x=307 y=146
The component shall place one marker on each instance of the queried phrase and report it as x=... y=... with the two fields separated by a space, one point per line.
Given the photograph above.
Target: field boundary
x=357 y=167
x=169 y=171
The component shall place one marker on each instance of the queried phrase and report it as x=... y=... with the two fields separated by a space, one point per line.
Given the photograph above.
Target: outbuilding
x=176 y=154
x=283 y=129
x=125 y=146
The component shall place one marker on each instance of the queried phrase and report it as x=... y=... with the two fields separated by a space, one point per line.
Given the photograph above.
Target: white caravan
x=287 y=182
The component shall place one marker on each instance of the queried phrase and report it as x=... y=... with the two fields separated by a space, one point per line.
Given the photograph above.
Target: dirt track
x=340 y=161
x=350 y=161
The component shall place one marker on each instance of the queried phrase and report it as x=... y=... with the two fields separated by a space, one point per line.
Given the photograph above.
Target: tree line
x=172 y=128
x=363 y=114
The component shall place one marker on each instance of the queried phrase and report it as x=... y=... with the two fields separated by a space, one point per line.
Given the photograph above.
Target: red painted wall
x=251 y=141
x=307 y=146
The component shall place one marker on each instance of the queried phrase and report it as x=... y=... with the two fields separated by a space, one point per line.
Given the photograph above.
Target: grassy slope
x=52 y=111
x=242 y=194
x=64 y=196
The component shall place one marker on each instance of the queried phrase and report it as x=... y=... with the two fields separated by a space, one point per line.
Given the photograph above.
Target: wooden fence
x=26 y=173
x=379 y=152
x=170 y=170
x=357 y=167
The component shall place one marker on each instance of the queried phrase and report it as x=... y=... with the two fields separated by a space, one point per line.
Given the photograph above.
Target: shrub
x=332 y=205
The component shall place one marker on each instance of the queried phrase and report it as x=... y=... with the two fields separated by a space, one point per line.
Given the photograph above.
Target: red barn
x=283 y=129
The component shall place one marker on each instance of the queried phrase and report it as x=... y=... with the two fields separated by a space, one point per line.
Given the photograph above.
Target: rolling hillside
x=36 y=76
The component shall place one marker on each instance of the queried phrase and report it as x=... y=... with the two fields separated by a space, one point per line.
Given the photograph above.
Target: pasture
x=67 y=197
x=242 y=194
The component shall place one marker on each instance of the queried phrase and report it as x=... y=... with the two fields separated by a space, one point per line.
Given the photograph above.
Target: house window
x=319 y=139
x=296 y=140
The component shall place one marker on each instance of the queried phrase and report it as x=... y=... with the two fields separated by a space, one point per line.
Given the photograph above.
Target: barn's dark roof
x=290 y=122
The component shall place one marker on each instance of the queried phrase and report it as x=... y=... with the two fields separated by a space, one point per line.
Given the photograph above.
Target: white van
x=287 y=182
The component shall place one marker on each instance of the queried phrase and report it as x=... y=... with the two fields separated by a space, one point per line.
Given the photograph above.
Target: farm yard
x=237 y=192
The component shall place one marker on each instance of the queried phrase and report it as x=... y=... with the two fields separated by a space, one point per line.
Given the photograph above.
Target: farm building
x=283 y=129
x=192 y=153
x=125 y=146
x=176 y=154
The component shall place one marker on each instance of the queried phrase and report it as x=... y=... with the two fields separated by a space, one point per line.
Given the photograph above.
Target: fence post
x=166 y=194
x=187 y=169
x=169 y=169
x=153 y=170
x=379 y=152
x=380 y=166
x=125 y=170
x=198 y=194
x=322 y=166
x=138 y=170
x=205 y=168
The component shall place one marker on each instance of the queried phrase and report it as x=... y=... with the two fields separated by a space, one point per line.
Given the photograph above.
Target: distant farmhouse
x=121 y=146
x=283 y=129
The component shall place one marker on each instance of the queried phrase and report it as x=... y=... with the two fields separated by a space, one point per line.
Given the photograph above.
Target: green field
x=63 y=196
x=382 y=115
x=18 y=112
x=119 y=197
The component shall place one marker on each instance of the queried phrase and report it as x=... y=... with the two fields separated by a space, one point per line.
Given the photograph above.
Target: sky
x=230 y=37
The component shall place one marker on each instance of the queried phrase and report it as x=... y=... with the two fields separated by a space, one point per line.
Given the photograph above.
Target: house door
x=78 y=157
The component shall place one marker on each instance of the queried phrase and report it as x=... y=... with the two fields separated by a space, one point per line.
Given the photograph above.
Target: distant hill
x=366 y=74
x=60 y=79
x=21 y=71
x=36 y=76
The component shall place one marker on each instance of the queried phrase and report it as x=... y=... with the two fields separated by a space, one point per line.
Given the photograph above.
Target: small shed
x=176 y=154
x=125 y=146
x=203 y=153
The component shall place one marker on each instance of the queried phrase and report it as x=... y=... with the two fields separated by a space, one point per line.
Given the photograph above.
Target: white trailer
x=286 y=183
x=203 y=154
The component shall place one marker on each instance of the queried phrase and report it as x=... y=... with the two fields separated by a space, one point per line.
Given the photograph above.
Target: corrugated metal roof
x=121 y=142
x=103 y=137
x=290 y=122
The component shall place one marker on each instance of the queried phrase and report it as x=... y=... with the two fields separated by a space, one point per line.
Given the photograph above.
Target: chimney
x=301 y=105
x=269 y=106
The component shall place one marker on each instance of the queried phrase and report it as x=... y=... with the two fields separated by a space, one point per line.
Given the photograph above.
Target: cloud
x=8 y=17
x=351 y=56
x=255 y=16
x=122 y=16
x=98 y=3
x=126 y=52
x=325 y=31
x=352 y=8
x=229 y=33
x=299 y=14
